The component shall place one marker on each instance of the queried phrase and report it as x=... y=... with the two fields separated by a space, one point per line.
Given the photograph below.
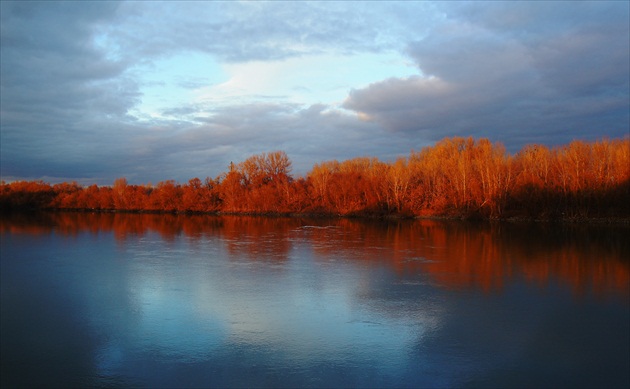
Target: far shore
x=358 y=216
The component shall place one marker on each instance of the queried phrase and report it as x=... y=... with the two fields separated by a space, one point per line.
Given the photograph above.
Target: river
x=128 y=300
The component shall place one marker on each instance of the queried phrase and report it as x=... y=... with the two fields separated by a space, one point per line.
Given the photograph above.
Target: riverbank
x=322 y=215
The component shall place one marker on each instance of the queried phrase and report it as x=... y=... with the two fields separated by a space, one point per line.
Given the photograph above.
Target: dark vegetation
x=458 y=177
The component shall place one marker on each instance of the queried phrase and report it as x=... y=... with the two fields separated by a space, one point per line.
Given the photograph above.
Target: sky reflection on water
x=158 y=300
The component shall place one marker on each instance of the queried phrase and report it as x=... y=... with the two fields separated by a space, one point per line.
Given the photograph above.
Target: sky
x=154 y=91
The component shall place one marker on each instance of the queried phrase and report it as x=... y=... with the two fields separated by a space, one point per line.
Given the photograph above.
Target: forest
x=455 y=178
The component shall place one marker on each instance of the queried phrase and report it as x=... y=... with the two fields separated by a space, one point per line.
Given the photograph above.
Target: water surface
x=197 y=301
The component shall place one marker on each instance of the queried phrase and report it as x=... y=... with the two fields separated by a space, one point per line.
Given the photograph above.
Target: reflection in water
x=456 y=254
x=171 y=300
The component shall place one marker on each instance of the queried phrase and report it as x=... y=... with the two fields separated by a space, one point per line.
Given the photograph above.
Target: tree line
x=456 y=177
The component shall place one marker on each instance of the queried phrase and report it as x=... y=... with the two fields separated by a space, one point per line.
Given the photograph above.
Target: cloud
x=306 y=80
x=57 y=88
x=205 y=148
x=517 y=79
x=252 y=31
x=97 y=90
x=72 y=85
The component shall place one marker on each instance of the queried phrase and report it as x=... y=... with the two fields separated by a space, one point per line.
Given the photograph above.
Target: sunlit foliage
x=457 y=177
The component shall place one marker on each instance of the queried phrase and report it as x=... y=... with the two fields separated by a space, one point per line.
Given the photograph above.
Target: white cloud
x=323 y=78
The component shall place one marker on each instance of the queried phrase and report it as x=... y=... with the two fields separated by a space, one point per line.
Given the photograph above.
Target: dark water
x=191 y=301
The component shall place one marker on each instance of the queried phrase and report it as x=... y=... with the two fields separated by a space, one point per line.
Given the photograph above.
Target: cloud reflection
x=248 y=301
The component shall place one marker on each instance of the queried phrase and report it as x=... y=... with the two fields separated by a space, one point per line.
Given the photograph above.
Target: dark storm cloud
x=518 y=73
x=309 y=135
x=69 y=80
x=58 y=89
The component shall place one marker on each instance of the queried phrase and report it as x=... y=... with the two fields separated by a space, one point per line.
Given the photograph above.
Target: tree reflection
x=454 y=254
